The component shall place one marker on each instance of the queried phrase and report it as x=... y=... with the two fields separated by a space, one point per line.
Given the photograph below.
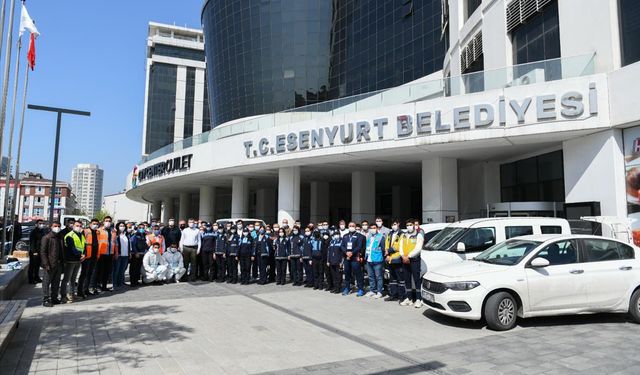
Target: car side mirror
x=460 y=248
x=539 y=262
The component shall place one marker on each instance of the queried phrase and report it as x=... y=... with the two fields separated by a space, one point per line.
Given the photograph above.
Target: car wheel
x=634 y=306
x=501 y=311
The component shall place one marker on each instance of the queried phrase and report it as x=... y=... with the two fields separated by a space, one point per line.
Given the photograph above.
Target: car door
x=559 y=286
x=608 y=271
x=477 y=240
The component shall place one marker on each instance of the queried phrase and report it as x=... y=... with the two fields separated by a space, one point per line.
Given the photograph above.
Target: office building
x=86 y=182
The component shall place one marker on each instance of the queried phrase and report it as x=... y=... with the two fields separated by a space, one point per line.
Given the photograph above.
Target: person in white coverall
x=175 y=263
x=155 y=267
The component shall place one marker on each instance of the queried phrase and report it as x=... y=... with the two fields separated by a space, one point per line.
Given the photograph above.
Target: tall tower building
x=176 y=98
x=86 y=184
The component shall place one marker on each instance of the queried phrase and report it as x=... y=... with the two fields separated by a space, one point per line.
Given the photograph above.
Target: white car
x=538 y=275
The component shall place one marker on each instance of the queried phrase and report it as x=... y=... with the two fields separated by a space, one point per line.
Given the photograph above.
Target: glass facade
x=272 y=55
x=161 y=106
x=178 y=52
x=630 y=30
x=539 y=38
x=189 y=103
x=539 y=178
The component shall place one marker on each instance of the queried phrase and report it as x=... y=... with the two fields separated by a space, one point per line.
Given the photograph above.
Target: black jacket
x=35 y=238
x=171 y=236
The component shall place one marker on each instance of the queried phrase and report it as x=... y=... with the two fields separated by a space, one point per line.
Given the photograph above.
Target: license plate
x=429 y=297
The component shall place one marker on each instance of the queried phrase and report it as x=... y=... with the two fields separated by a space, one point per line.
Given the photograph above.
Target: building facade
x=86 y=182
x=34 y=198
x=535 y=111
x=176 y=99
x=122 y=208
x=276 y=55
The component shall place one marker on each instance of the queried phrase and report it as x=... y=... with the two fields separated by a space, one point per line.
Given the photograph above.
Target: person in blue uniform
x=220 y=255
x=233 y=242
x=262 y=250
x=334 y=261
x=353 y=248
x=307 y=248
x=206 y=250
x=246 y=255
x=296 y=242
x=282 y=252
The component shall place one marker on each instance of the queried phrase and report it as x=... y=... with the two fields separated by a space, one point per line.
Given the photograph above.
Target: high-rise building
x=176 y=91
x=275 y=55
x=86 y=183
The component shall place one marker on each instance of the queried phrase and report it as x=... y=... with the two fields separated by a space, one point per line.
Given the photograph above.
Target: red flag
x=31 y=55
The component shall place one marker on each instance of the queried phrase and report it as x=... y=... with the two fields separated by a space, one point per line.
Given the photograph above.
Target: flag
x=27 y=24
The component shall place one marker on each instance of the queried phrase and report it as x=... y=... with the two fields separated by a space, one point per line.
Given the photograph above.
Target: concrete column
x=266 y=205
x=288 y=194
x=439 y=189
x=156 y=210
x=207 y=207
x=319 y=207
x=168 y=210
x=400 y=202
x=240 y=197
x=363 y=195
x=185 y=202
x=594 y=171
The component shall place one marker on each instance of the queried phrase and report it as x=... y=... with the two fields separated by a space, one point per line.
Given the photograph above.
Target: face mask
x=341 y=226
x=326 y=236
x=215 y=228
x=410 y=228
x=107 y=224
x=365 y=228
x=379 y=223
x=233 y=231
x=245 y=234
x=182 y=226
x=41 y=226
x=93 y=226
x=352 y=229
x=172 y=223
x=141 y=230
x=220 y=230
x=261 y=231
x=77 y=229
x=130 y=230
x=208 y=228
x=155 y=250
x=336 y=236
x=193 y=225
x=281 y=234
x=173 y=249
x=295 y=232
x=239 y=227
x=268 y=233
x=373 y=231
x=156 y=232
x=307 y=234
x=121 y=229
x=394 y=227
x=55 y=229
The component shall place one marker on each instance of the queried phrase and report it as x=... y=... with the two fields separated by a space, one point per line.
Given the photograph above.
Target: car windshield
x=445 y=239
x=507 y=253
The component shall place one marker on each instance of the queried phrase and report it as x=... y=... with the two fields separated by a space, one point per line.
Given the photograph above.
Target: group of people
x=317 y=256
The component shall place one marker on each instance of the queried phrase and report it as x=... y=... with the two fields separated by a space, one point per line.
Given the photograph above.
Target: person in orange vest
x=87 y=281
x=156 y=236
x=107 y=252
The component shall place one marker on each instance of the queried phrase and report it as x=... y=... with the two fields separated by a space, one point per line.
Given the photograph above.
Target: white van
x=465 y=239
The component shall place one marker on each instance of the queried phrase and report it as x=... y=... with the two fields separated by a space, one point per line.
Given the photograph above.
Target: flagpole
x=3 y=106
x=2 y=14
x=17 y=178
x=7 y=183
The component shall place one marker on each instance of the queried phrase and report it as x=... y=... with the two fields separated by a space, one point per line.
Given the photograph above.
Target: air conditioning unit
x=533 y=76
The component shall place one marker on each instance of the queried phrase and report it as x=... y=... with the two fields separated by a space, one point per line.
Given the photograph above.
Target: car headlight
x=461 y=285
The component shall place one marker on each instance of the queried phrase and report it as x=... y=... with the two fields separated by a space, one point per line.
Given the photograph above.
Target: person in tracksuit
x=334 y=261
x=282 y=252
x=316 y=260
x=397 y=289
x=220 y=255
x=262 y=250
x=246 y=255
x=233 y=242
x=206 y=249
x=296 y=242
x=353 y=248
x=307 y=248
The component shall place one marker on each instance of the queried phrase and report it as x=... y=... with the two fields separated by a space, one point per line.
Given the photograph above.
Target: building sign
x=169 y=166
x=631 y=138
x=548 y=107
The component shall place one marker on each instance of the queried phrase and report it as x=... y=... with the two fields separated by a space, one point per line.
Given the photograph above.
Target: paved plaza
x=204 y=328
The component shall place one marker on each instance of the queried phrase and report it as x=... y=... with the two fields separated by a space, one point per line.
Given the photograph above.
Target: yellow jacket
x=392 y=242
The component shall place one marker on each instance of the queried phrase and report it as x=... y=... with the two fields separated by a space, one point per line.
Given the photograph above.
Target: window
x=428 y=236
x=27 y=190
x=630 y=30
x=472 y=5
x=550 y=229
x=536 y=179
x=39 y=190
x=479 y=239
x=508 y=253
x=563 y=252
x=511 y=232
x=597 y=250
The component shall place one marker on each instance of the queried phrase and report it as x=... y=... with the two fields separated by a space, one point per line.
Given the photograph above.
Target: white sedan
x=538 y=275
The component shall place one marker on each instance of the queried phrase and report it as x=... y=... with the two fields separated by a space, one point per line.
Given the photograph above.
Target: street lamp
x=59 y=111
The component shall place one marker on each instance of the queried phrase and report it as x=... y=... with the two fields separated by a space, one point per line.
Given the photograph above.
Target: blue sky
x=90 y=56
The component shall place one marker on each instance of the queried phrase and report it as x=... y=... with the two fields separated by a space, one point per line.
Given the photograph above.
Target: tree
x=100 y=215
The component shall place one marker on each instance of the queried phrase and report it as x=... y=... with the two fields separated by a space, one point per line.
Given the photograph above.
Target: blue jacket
x=246 y=246
x=334 y=253
x=311 y=248
x=221 y=244
x=375 y=248
x=296 y=242
x=282 y=247
x=355 y=243
x=233 y=245
x=208 y=241
x=261 y=246
x=138 y=243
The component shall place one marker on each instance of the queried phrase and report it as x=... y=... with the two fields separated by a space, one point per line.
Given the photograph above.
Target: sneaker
x=377 y=295
x=406 y=302
x=47 y=304
x=360 y=293
x=370 y=294
x=391 y=299
x=345 y=291
x=418 y=304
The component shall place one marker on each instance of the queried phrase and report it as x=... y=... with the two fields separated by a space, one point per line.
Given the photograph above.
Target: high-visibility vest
x=393 y=241
x=78 y=242
x=407 y=243
x=88 y=238
x=151 y=238
x=103 y=242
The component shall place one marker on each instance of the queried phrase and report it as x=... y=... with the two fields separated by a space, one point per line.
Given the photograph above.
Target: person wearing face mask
x=175 y=263
x=394 y=264
x=295 y=268
x=156 y=236
x=317 y=261
x=233 y=242
x=307 y=263
x=35 y=238
x=123 y=249
x=138 y=249
x=155 y=267
x=262 y=250
x=326 y=269
x=51 y=250
x=171 y=233
x=272 y=235
x=189 y=243
x=68 y=227
x=342 y=225
x=286 y=227
x=381 y=228
x=182 y=225
x=246 y=253
x=106 y=253
x=410 y=245
x=335 y=258
x=364 y=228
x=375 y=260
x=254 y=230
x=220 y=255
x=282 y=253
x=88 y=272
x=353 y=248
x=206 y=250
x=74 y=249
